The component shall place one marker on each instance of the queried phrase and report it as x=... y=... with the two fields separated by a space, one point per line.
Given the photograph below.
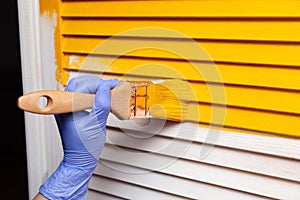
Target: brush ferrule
x=139 y=99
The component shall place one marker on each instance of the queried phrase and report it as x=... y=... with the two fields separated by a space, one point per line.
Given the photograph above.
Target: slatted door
x=253 y=45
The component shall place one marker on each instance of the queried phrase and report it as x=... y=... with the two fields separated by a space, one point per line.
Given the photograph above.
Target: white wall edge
x=40 y=161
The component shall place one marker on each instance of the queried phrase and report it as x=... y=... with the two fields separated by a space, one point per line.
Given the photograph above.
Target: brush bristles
x=166 y=99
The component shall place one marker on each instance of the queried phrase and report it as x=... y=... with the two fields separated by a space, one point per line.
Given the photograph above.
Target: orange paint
x=259 y=63
x=50 y=9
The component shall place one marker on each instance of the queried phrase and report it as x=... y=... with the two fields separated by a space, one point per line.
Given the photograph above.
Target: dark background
x=13 y=149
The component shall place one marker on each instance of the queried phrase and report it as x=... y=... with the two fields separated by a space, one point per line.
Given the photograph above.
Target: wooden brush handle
x=64 y=102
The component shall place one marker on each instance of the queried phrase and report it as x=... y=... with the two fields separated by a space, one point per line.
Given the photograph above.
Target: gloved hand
x=83 y=137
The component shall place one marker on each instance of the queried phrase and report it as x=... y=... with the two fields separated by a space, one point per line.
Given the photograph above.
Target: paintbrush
x=129 y=100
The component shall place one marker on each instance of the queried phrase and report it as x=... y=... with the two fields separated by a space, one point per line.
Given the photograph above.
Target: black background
x=13 y=145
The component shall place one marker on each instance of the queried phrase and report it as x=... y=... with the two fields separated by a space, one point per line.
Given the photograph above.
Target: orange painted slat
x=250 y=119
x=221 y=51
x=201 y=8
x=234 y=29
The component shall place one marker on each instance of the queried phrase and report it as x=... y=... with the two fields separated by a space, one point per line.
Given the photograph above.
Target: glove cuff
x=67 y=182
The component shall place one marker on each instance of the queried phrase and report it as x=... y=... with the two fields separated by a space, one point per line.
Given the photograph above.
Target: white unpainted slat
x=225 y=177
x=274 y=146
x=93 y=195
x=183 y=187
x=128 y=191
x=232 y=158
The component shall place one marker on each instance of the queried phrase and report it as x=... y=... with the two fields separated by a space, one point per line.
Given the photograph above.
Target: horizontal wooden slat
x=247 y=97
x=240 y=141
x=264 y=30
x=247 y=118
x=262 y=76
x=244 y=182
x=93 y=195
x=126 y=190
x=202 y=8
x=220 y=156
x=220 y=51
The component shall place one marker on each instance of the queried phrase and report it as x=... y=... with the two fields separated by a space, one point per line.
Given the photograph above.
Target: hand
x=83 y=133
x=83 y=137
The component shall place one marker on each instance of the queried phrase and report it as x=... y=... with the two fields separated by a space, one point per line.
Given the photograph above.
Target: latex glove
x=83 y=137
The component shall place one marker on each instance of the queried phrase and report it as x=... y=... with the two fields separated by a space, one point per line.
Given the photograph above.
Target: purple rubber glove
x=83 y=137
